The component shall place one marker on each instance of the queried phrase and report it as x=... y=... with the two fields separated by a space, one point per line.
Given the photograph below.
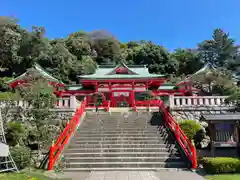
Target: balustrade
x=197 y=101
x=62 y=103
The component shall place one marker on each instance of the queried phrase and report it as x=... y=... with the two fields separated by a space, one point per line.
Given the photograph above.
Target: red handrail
x=187 y=146
x=62 y=140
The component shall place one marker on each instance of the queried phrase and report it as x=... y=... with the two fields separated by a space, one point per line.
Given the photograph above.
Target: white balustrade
x=62 y=103
x=197 y=101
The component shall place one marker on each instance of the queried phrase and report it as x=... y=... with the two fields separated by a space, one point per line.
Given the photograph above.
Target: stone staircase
x=122 y=141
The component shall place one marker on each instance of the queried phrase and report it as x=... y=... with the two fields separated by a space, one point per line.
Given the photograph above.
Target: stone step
x=74 y=145
x=123 y=159
x=117 y=125
x=97 y=135
x=119 y=141
x=125 y=169
x=133 y=128
x=125 y=164
x=122 y=154
x=122 y=127
x=121 y=138
x=99 y=150
x=116 y=131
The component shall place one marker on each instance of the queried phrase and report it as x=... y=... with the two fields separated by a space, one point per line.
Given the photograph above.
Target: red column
x=132 y=97
x=96 y=87
x=110 y=93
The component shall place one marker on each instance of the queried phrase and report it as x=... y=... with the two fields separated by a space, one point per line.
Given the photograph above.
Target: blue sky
x=172 y=23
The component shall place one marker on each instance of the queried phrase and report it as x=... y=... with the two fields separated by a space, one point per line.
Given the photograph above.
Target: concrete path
x=134 y=175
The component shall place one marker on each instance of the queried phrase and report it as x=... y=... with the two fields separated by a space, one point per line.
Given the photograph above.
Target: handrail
x=57 y=148
x=187 y=146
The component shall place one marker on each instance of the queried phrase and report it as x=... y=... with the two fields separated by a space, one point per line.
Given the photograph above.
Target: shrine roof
x=36 y=68
x=128 y=72
x=208 y=67
x=74 y=87
x=221 y=117
x=167 y=87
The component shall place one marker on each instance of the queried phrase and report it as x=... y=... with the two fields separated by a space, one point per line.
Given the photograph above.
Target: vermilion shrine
x=127 y=86
x=119 y=86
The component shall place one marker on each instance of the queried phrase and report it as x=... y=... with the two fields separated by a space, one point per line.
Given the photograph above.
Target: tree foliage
x=81 y=52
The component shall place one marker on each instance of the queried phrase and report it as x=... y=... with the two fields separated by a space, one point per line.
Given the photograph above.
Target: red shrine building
x=117 y=84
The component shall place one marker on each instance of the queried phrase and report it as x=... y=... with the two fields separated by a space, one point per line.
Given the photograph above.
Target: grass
x=29 y=175
x=224 y=177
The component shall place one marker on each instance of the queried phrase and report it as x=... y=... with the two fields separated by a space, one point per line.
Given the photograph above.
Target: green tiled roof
x=74 y=87
x=105 y=73
x=37 y=69
x=166 y=87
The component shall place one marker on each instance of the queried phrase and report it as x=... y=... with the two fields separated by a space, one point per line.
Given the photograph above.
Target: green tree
x=11 y=37
x=156 y=57
x=188 y=60
x=219 y=50
x=106 y=46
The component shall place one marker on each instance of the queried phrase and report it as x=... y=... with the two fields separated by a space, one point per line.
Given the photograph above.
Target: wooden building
x=117 y=84
x=224 y=132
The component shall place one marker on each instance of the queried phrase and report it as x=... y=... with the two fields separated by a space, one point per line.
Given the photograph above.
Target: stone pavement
x=134 y=175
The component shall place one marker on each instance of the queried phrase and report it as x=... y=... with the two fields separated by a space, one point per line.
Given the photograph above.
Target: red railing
x=187 y=146
x=57 y=148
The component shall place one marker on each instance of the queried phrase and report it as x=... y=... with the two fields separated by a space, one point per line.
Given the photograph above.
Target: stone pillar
x=73 y=102
x=171 y=101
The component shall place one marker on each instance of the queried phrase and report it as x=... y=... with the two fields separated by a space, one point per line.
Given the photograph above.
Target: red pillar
x=96 y=84
x=132 y=97
x=110 y=93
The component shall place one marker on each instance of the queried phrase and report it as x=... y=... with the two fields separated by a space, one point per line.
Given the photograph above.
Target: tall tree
x=156 y=57
x=106 y=46
x=188 y=60
x=10 y=40
x=219 y=50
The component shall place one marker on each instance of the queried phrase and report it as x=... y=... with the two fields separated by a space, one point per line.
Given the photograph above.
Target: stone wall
x=193 y=115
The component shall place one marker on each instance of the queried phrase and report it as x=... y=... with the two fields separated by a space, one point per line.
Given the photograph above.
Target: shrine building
x=116 y=84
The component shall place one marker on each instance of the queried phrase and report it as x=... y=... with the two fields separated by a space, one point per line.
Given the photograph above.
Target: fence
x=197 y=101
x=62 y=103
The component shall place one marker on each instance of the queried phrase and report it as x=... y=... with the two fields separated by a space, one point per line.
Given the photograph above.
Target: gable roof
x=36 y=68
x=206 y=68
x=121 y=65
x=107 y=73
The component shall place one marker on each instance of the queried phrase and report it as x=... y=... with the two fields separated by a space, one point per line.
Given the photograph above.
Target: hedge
x=221 y=165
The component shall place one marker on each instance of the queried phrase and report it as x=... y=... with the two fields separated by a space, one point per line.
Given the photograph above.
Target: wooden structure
x=35 y=72
x=224 y=131
x=119 y=86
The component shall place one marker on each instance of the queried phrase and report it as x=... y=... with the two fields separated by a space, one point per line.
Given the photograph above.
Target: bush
x=22 y=156
x=221 y=165
x=14 y=132
x=190 y=128
x=8 y=96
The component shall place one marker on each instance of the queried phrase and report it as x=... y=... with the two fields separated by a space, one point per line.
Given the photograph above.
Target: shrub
x=190 y=128
x=14 y=132
x=22 y=156
x=221 y=165
x=8 y=96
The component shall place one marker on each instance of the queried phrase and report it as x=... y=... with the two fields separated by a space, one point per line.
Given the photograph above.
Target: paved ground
x=134 y=175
